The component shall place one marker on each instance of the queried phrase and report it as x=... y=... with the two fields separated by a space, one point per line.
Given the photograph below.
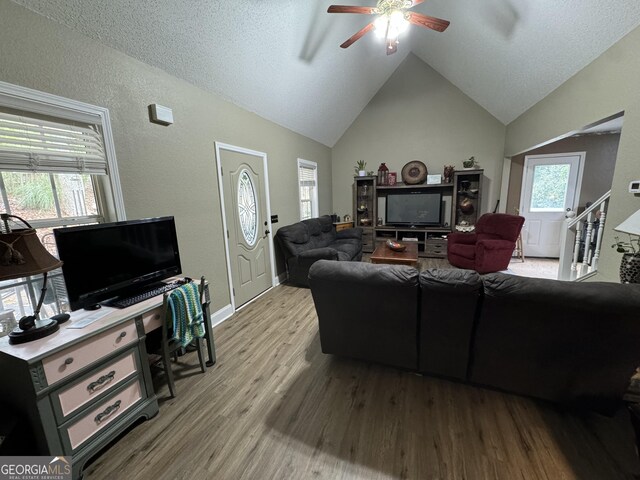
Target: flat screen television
x=111 y=259
x=414 y=208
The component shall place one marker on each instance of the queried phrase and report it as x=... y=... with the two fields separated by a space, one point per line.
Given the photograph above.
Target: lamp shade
x=22 y=255
x=631 y=225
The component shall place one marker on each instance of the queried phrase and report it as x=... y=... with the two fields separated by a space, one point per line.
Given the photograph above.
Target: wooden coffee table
x=383 y=254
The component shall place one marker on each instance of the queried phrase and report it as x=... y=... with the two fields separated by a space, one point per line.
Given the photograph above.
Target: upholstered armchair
x=490 y=247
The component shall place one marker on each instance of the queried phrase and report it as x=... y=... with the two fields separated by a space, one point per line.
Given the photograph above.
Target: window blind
x=35 y=145
x=306 y=176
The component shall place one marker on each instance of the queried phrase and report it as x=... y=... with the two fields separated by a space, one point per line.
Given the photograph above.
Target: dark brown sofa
x=308 y=241
x=567 y=342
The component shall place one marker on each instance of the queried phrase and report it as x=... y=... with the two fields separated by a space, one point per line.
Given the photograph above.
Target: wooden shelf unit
x=462 y=192
x=429 y=239
x=365 y=212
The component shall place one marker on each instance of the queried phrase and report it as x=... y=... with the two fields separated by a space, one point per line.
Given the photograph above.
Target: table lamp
x=631 y=225
x=630 y=264
x=22 y=255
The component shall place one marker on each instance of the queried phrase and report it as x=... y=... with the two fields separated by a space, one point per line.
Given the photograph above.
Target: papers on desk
x=90 y=317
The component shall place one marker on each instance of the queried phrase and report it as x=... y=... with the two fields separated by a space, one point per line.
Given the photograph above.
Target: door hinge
x=234 y=291
x=221 y=171
x=228 y=234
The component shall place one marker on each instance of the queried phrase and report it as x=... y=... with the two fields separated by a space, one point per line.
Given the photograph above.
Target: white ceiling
x=281 y=58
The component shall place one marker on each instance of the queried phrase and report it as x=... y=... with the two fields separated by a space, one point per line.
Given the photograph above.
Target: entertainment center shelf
x=429 y=239
x=460 y=205
x=400 y=186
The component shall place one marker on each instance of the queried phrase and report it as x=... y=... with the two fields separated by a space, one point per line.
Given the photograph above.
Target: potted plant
x=630 y=264
x=469 y=164
x=360 y=169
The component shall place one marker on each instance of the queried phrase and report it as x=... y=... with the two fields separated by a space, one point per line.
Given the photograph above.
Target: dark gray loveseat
x=306 y=242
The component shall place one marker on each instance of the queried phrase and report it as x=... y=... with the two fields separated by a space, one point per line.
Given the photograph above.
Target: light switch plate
x=161 y=115
x=634 y=186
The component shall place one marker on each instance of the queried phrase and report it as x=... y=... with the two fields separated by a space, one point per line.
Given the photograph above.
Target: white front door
x=247 y=222
x=550 y=189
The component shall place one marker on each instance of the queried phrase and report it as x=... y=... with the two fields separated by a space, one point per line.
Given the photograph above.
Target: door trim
x=527 y=158
x=504 y=185
x=219 y=146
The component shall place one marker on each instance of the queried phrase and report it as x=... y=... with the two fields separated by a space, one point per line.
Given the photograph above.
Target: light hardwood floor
x=275 y=407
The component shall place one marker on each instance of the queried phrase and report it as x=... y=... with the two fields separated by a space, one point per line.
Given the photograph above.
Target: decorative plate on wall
x=414 y=172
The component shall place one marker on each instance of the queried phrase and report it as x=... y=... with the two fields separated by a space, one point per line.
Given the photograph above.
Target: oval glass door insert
x=247 y=208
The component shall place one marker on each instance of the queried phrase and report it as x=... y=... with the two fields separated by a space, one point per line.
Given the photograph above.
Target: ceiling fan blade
x=357 y=36
x=433 y=23
x=416 y=2
x=351 y=9
x=392 y=47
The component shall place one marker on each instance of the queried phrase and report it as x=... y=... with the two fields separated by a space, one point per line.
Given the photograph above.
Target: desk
x=80 y=388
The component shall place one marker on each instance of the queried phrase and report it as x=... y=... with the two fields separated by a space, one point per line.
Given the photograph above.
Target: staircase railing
x=581 y=241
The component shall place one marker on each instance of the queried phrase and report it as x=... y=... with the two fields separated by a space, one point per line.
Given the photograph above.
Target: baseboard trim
x=280 y=279
x=221 y=315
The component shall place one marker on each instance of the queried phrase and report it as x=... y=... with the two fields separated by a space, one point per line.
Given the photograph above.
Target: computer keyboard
x=124 y=302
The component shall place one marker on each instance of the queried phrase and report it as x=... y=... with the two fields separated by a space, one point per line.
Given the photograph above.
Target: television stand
x=430 y=240
x=79 y=390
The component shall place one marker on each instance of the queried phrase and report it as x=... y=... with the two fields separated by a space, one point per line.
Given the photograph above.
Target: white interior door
x=246 y=220
x=550 y=189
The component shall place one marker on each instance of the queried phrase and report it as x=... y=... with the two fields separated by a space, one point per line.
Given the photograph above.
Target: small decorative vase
x=448 y=173
x=630 y=268
x=466 y=206
x=362 y=173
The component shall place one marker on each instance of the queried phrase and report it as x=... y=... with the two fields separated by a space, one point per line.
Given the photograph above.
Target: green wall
x=609 y=85
x=419 y=115
x=163 y=170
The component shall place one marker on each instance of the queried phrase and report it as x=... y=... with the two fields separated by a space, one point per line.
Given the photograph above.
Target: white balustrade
x=583 y=234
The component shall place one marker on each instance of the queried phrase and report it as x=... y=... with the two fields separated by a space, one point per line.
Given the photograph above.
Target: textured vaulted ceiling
x=281 y=58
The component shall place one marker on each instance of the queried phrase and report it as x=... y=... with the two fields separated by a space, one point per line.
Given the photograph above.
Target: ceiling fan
x=393 y=20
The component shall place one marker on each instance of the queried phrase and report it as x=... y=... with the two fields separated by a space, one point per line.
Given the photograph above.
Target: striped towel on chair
x=186 y=313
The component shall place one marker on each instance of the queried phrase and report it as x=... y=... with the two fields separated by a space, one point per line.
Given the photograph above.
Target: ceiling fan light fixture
x=392 y=20
x=391 y=25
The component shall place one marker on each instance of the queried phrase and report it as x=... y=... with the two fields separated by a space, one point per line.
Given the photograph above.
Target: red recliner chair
x=490 y=247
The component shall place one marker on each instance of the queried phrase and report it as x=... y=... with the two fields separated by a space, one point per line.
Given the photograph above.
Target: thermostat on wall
x=634 y=186
x=160 y=114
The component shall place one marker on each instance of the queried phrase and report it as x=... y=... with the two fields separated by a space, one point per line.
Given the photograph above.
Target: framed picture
x=393 y=176
x=434 y=179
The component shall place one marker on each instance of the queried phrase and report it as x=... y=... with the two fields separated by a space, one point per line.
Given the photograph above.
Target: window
x=57 y=169
x=308 y=186
x=247 y=208
x=549 y=190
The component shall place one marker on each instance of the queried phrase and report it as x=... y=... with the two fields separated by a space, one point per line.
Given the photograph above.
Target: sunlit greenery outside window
x=549 y=191
x=46 y=201
x=308 y=188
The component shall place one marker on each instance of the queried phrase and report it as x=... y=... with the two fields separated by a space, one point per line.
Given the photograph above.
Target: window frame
x=107 y=188
x=29 y=100
x=314 y=193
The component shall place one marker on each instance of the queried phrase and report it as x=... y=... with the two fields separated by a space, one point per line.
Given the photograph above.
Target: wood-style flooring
x=275 y=407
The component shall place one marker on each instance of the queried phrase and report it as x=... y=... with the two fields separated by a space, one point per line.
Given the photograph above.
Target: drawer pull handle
x=108 y=411
x=68 y=361
x=122 y=334
x=101 y=382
